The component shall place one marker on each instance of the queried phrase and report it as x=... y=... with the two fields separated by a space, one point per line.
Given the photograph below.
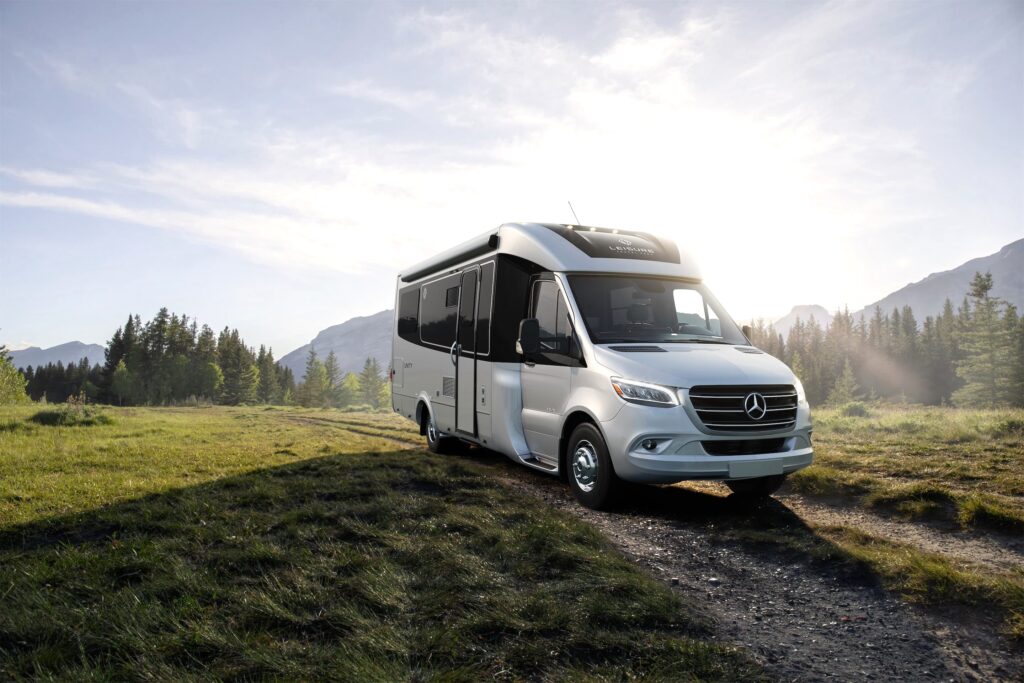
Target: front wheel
x=589 y=469
x=759 y=487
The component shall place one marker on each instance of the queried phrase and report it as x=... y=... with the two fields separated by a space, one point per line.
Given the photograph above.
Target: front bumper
x=679 y=453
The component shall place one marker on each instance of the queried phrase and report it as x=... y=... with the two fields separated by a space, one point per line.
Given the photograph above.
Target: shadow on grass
x=374 y=566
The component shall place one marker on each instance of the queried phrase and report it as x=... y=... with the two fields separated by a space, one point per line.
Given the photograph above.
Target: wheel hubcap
x=431 y=431
x=584 y=466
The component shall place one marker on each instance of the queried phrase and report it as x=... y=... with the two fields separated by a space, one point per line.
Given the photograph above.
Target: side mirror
x=746 y=331
x=528 y=343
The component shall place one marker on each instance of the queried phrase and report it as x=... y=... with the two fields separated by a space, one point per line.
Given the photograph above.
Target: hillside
x=68 y=354
x=352 y=342
x=804 y=312
x=927 y=296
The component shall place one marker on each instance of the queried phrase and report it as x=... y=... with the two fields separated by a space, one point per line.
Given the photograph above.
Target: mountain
x=68 y=353
x=927 y=296
x=784 y=324
x=352 y=342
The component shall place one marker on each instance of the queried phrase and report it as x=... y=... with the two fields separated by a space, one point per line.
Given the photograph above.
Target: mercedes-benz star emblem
x=755 y=406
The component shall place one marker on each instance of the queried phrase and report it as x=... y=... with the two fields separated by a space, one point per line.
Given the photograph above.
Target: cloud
x=366 y=90
x=737 y=142
x=43 y=178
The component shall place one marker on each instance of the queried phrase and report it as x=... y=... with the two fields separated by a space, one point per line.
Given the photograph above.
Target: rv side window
x=483 y=315
x=467 y=310
x=437 y=318
x=408 y=314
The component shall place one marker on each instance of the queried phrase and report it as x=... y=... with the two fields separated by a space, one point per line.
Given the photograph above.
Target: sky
x=272 y=166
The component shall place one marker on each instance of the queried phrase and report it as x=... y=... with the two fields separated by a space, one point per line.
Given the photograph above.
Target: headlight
x=644 y=393
x=801 y=397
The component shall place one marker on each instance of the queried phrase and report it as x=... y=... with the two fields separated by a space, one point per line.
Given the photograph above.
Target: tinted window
x=408 y=314
x=549 y=308
x=545 y=308
x=483 y=316
x=437 y=319
x=629 y=308
x=467 y=312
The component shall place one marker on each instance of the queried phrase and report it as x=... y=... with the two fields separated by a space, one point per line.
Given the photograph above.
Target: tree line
x=171 y=360
x=971 y=355
x=323 y=384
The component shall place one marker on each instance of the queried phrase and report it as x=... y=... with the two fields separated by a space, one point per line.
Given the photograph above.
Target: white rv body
x=718 y=408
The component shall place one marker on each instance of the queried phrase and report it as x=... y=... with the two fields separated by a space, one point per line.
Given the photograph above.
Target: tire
x=759 y=487
x=442 y=445
x=589 y=469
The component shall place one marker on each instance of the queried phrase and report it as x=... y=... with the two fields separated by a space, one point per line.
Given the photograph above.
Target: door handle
x=453 y=353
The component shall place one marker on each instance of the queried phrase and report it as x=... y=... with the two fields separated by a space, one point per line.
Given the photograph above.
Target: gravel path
x=803 y=620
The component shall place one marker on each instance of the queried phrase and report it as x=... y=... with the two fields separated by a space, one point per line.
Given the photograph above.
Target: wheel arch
x=423 y=411
x=573 y=420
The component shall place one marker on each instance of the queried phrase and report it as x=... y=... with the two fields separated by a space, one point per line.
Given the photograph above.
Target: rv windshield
x=629 y=308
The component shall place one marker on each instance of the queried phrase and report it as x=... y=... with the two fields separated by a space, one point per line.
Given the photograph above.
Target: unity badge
x=754 y=405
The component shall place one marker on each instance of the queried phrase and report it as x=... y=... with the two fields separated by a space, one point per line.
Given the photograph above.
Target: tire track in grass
x=355 y=428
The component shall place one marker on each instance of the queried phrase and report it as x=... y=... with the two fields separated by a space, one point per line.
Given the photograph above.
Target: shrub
x=1010 y=427
x=855 y=409
x=74 y=413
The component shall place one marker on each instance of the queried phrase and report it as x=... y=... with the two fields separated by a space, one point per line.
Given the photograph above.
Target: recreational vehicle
x=594 y=354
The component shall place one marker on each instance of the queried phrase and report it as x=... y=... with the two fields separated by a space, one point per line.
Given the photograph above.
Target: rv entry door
x=546 y=377
x=465 y=356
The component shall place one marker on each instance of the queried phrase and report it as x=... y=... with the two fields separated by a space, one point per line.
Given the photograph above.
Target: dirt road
x=803 y=619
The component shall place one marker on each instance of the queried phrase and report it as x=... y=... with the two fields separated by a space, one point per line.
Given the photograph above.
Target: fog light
x=649 y=444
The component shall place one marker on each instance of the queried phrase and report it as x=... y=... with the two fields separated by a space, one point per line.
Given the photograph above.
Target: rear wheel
x=589 y=469
x=436 y=443
x=759 y=487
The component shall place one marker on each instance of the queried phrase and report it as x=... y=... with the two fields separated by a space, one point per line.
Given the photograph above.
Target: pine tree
x=269 y=388
x=1015 y=324
x=845 y=389
x=332 y=375
x=249 y=382
x=986 y=344
x=371 y=383
x=312 y=392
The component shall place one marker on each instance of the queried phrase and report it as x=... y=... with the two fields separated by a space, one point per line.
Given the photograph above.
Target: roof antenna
x=574 y=214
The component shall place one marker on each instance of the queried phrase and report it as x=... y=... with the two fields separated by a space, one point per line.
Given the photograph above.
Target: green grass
x=253 y=543
x=961 y=466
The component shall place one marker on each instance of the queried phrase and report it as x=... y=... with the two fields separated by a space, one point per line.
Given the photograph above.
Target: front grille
x=744 y=447
x=721 y=407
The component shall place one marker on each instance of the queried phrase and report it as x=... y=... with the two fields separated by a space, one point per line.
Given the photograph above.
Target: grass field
x=961 y=466
x=282 y=543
